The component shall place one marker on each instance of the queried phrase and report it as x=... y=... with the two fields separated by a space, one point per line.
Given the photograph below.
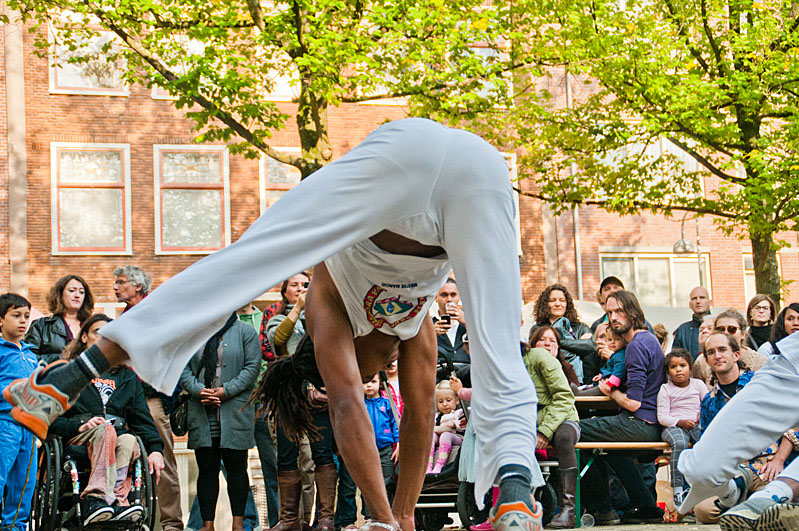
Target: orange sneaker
x=36 y=405
x=517 y=516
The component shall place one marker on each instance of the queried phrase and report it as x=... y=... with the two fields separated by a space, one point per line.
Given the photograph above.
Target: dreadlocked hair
x=282 y=392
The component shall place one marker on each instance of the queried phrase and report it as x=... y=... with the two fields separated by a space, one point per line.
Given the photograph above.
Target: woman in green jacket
x=557 y=425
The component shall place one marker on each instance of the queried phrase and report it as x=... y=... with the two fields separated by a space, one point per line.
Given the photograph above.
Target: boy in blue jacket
x=385 y=428
x=17 y=444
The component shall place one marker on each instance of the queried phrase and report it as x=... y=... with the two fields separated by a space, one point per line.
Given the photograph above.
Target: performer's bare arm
x=339 y=367
x=417 y=375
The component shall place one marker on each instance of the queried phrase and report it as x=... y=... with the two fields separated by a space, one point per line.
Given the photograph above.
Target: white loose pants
x=433 y=184
x=755 y=417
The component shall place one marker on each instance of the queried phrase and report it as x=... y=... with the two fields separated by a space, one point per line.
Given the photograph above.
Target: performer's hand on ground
x=91 y=423
x=542 y=442
x=156 y=464
x=407 y=523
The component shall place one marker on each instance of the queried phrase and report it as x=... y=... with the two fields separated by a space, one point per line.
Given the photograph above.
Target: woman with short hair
x=70 y=302
x=760 y=314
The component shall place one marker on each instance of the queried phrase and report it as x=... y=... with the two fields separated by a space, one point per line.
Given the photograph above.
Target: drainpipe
x=17 y=154
x=578 y=258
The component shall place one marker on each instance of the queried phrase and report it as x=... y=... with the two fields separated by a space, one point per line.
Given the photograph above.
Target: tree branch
x=219 y=114
x=706 y=163
x=678 y=23
x=644 y=205
x=257 y=14
x=717 y=53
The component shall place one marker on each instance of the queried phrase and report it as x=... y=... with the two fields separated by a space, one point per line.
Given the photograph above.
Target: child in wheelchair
x=106 y=419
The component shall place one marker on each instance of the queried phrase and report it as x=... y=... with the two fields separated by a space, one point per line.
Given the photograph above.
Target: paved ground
x=658 y=527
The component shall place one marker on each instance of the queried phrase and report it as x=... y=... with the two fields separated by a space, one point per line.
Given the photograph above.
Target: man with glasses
x=687 y=334
x=733 y=323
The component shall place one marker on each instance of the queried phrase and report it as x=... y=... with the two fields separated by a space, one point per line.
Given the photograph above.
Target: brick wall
x=140 y=121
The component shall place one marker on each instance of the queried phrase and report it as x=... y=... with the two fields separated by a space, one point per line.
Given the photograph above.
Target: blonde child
x=448 y=424
x=614 y=371
x=679 y=401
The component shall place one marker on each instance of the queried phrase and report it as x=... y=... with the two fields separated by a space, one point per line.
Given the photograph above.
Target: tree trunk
x=764 y=256
x=312 y=126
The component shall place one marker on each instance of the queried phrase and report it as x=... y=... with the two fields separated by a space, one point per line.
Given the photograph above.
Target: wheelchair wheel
x=148 y=496
x=467 y=507
x=48 y=485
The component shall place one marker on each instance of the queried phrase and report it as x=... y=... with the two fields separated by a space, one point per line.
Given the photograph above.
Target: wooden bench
x=598 y=448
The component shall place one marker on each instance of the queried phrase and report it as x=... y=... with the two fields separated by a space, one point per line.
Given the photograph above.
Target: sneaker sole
x=35 y=424
x=738 y=522
x=781 y=517
x=102 y=517
x=131 y=514
x=517 y=517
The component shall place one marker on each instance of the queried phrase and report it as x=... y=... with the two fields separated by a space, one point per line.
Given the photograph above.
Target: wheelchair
x=64 y=471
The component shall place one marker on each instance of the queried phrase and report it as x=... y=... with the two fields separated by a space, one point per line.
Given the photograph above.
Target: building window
x=277 y=178
x=749 y=274
x=90 y=198
x=192 y=199
x=657 y=279
x=85 y=70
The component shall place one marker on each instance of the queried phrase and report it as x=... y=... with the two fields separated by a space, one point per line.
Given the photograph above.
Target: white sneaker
x=517 y=516
x=36 y=405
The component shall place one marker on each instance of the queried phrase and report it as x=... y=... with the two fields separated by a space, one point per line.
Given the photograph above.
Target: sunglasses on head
x=730 y=329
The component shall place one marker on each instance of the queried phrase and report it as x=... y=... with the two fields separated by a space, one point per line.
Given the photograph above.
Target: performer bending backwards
x=754 y=418
x=383 y=225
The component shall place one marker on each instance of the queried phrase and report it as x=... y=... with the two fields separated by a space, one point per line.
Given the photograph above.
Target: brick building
x=99 y=175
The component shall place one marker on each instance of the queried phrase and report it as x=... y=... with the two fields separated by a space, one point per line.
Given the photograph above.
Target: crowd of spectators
x=663 y=392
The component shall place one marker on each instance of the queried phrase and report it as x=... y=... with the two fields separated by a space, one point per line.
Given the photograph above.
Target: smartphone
x=447 y=318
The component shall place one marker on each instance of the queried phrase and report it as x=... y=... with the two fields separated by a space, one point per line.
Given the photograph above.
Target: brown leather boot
x=326 y=480
x=567 y=487
x=290 y=487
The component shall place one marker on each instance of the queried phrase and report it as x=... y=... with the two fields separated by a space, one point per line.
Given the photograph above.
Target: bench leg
x=578 y=510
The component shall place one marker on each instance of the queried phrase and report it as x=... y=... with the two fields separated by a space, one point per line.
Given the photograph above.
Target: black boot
x=567 y=487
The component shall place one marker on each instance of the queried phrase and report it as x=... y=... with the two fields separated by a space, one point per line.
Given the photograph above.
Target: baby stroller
x=63 y=470
x=444 y=493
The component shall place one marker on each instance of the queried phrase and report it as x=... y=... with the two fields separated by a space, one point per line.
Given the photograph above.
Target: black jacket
x=48 y=337
x=126 y=401
x=456 y=351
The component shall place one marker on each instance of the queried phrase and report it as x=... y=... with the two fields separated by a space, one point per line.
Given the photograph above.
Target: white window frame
x=657 y=253
x=122 y=91
x=746 y=272
x=263 y=161
x=55 y=221
x=157 y=149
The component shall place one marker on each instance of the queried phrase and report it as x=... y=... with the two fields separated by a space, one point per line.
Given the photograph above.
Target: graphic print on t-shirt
x=383 y=308
x=106 y=388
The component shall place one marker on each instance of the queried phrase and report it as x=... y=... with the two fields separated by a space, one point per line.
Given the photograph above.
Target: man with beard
x=637 y=420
